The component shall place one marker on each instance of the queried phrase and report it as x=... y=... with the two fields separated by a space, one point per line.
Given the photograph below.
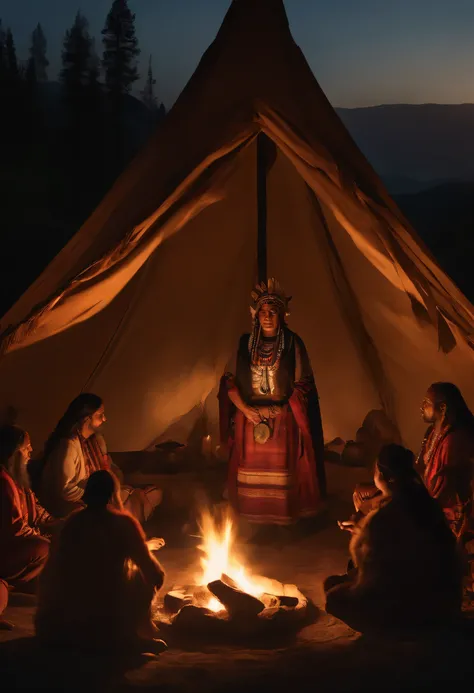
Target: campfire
x=224 y=594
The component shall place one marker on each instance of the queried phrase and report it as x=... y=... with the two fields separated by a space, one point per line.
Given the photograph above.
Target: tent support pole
x=262 y=208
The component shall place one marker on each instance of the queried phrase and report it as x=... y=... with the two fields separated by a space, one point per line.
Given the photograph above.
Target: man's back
x=84 y=585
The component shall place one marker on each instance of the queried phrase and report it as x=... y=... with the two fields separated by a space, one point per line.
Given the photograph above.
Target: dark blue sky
x=362 y=52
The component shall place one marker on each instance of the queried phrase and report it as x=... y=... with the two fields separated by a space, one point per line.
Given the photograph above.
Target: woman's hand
x=362 y=495
x=264 y=413
x=252 y=414
x=349 y=526
x=155 y=544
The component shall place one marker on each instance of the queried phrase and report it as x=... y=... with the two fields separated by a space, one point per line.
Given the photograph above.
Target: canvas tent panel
x=198 y=289
x=187 y=307
x=40 y=380
x=409 y=350
x=298 y=257
x=188 y=318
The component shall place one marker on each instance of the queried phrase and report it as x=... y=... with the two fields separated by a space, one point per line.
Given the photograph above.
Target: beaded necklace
x=429 y=445
x=265 y=356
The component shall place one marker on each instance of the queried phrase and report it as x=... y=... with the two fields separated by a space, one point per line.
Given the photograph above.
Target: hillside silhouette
x=415 y=147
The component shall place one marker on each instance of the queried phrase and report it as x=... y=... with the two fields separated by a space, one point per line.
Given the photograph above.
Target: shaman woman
x=269 y=416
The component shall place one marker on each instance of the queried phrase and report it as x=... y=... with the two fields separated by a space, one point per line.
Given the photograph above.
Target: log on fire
x=197 y=619
x=238 y=603
x=176 y=599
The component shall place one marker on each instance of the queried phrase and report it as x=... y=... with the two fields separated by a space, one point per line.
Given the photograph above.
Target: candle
x=207 y=447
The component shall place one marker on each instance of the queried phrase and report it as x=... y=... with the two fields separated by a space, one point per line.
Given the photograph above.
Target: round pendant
x=261 y=433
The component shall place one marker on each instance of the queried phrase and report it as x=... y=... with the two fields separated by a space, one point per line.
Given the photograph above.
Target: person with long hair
x=446 y=457
x=75 y=450
x=270 y=420
x=23 y=551
x=99 y=583
x=406 y=571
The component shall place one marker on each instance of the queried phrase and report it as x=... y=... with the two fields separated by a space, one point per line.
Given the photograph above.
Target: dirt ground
x=324 y=656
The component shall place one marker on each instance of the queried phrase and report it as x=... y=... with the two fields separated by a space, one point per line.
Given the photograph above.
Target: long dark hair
x=80 y=409
x=397 y=466
x=458 y=413
x=101 y=489
x=11 y=439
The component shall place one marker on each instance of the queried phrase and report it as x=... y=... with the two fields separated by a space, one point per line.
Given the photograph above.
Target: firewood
x=269 y=600
x=175 y=600
x=291 y=602
x=239 y=604
x=196 y=618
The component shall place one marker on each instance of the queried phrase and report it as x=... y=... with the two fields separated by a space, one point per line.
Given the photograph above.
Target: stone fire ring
x=281 y=611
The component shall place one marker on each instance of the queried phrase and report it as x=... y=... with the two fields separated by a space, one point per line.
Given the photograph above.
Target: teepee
x=145 y=304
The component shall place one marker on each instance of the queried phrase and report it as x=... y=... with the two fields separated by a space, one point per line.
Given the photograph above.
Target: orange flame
x=219 y=558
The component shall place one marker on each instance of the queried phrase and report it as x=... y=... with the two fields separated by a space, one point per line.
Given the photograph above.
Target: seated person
x=445 y=461
x=74 y=451
x=100 y=580
x=446 y=458
x=23 y=551
x=4 y=625
x=406 y=571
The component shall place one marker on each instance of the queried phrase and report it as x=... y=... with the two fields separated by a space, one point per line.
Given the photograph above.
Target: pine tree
x=120 y=49
x=38 y=54
x=76 y=57
x=161 y=111
x=94 y=68
x=148 y=93
x=3 y=53
x=11 y=60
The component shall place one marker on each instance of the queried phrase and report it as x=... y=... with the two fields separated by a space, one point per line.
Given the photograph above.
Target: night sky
x=363 y=52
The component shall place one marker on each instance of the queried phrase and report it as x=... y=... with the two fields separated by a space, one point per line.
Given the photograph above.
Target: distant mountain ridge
x=413 y=147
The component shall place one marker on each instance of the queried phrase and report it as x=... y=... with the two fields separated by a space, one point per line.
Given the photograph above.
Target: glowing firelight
x=154 y=544
x=219 y=558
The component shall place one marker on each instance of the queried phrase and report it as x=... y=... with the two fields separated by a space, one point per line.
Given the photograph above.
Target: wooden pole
x=262 y=207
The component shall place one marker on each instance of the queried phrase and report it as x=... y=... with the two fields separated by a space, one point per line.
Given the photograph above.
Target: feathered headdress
x=271 y=292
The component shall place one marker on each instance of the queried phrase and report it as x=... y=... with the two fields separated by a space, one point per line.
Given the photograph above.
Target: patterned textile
x=275 y=482
x=94 y=456
x=445 y=463
x=283 y=479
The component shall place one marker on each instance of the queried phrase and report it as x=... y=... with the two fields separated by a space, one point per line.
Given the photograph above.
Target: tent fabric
x=146 y=303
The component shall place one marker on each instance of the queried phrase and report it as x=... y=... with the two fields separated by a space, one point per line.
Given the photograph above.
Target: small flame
x=219 y=558
x=215 y=605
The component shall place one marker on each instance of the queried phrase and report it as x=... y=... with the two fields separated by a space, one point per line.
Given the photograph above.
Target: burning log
x=196 y=618
x=289 y=602
x=176 y=599
x=239 y=604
